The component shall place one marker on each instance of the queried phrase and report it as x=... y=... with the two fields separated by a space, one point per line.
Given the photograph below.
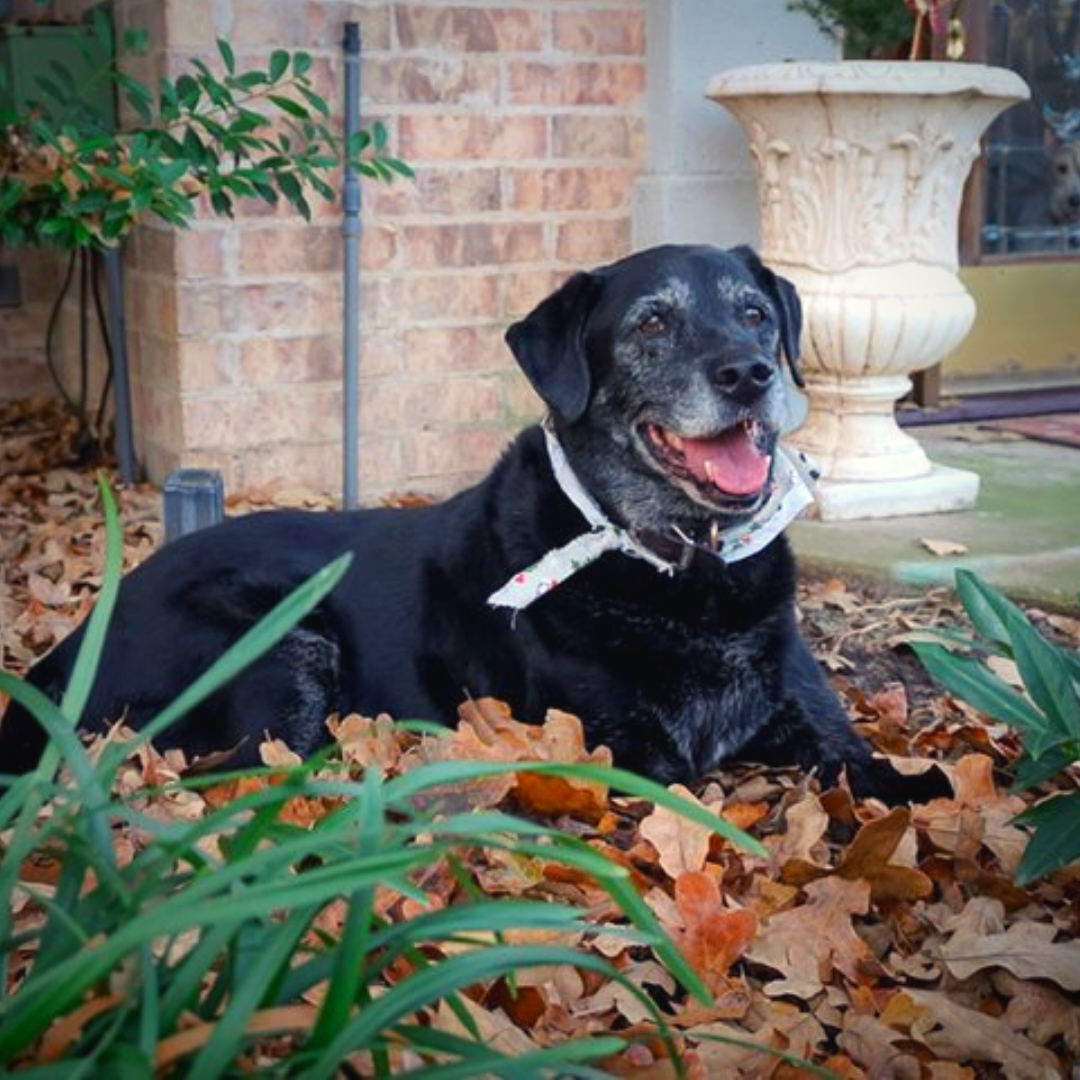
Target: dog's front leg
x=811 y=730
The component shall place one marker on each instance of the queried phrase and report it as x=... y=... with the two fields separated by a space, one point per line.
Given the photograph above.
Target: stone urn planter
x=860 y=172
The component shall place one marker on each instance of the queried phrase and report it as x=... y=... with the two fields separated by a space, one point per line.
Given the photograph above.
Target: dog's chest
x=707 y=672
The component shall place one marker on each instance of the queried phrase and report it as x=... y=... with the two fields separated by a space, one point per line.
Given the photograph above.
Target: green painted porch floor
x=1023 y=535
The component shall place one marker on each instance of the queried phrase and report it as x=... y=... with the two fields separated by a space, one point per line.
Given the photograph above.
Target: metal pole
x=125 y=441
x=350 y=230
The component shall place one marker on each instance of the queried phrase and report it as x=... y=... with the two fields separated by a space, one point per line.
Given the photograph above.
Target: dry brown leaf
x=496 y=1029
x=809 y=942
x=1027 y=949
x=943 y=548
x=973 y=780
x=65 y=1031
x=729 y=1051
x=873 y=1044
x=714 y=937
x=1041 y=1011
x=960 y=1034
x=803 y=838
x=275 y=754
x=868 y=858
x=283 y=1018
x=365 y=742
x=1005 y=669
x=682 y=845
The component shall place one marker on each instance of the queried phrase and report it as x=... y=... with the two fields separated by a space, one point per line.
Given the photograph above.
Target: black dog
x=679 y=650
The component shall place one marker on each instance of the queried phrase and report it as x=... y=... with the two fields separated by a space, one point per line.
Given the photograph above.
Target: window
x=1030 y=205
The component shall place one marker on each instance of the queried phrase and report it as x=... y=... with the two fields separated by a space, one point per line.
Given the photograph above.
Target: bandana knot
x=790 y=495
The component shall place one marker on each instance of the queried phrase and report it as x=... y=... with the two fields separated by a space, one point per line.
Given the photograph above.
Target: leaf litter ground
x=874 y=943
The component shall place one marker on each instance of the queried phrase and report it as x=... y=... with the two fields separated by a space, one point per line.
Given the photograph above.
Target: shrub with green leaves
x=208 y=936
x=262 y=133
x=865 y=28
x=1046 y=715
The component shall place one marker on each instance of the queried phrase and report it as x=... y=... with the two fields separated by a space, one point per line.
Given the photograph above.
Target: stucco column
x=698 y=186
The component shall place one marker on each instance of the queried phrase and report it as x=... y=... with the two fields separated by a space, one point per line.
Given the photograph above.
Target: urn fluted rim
x=884 y=77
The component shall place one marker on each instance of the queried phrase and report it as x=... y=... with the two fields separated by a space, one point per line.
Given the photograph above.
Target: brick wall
x=524 y=122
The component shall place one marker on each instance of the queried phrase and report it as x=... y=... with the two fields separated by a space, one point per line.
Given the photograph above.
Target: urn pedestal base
x=871 y=467
x=941 y=489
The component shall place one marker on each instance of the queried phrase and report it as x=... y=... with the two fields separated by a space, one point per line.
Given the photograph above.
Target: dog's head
x=663 y=375
x=1065 y=182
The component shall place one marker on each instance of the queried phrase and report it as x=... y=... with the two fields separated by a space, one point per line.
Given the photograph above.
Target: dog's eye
x=753 y=315
x=652 y=326
x=1062 y=168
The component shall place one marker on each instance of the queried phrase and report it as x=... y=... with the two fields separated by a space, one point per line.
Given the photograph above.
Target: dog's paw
x=876 y=778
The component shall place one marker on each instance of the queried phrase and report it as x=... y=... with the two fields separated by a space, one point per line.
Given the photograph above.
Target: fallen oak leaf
x=1041 y=1011
x=756 y=1049
x=873 y=1044
x=366 y=742
x=957 y=1033
x=276 y=754
x=488 y=732
x=803 y=838
x=682 y=844
x=809 y=942
x=1027 y=949
x=562 y=740
x=867 y=859
x=943 y=548
x=713 y=937
x=69 y=1028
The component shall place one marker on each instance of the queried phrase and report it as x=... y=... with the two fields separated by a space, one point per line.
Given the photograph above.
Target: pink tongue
x=731 y=462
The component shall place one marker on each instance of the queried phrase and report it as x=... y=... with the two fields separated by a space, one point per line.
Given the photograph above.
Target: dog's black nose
x=743 y=380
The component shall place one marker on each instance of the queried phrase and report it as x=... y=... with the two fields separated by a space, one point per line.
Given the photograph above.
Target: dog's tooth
x=709 y=471
x=674 y=441
x=714 y=534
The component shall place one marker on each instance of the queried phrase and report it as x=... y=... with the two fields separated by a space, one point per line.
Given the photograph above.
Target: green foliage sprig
x=261 y=133
x=865 y=28
x=1046 y=715
x=888 y=29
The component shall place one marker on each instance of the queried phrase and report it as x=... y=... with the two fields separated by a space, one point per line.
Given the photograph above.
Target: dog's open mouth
x=732 y=466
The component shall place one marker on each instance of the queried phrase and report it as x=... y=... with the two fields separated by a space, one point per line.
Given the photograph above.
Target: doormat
x=1061 y=428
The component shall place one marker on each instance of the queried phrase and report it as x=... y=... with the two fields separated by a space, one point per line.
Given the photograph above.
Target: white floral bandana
x=790 y=495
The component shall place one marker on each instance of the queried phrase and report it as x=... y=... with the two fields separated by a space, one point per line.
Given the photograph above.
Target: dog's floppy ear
x=549 y=345
x=783 y=294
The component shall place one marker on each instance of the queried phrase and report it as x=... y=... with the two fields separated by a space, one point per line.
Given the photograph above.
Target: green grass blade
x=452 y=974
x=150 y=1012
x=481 y=1060
x=224 y=1045
x=62 y=733
x=93 y=643
x=25 y=836
x=403 y=788
x=184 y=981
x=353 y=950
